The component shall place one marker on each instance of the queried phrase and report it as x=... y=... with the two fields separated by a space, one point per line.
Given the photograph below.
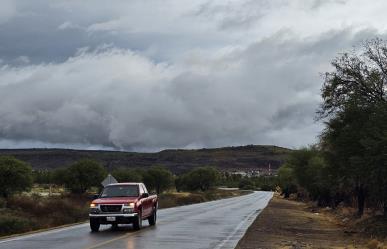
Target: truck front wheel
x=137 y=224
x=94 y=225
x=152 y=218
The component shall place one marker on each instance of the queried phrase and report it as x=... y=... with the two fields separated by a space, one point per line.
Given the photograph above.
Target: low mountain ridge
x=250 y=157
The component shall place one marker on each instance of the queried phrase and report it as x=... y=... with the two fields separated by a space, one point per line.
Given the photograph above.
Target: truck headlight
x=93 y=205
x=131 y=205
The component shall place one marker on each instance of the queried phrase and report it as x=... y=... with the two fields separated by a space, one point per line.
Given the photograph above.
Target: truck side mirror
x=144 y=195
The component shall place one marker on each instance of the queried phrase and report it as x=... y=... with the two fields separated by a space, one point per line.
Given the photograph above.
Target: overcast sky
x=145 y=75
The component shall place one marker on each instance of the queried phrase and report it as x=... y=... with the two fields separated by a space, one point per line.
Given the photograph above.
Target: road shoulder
x=290 y=224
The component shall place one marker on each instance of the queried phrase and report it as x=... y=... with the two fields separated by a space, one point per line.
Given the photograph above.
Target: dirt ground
x=290 y=224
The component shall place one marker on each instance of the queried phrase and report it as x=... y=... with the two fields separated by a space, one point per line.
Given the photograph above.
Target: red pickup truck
x=123 y=203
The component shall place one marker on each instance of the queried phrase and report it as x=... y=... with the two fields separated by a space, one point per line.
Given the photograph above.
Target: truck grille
x=110 y=208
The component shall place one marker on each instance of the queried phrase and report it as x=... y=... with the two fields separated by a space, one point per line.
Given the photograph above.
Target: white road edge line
x=221 y=244
x=42 y=233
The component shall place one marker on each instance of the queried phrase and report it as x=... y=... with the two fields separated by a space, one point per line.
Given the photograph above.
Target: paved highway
x=217 y=224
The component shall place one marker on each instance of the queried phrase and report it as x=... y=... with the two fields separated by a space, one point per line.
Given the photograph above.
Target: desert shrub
x=246 y=184
x=373 y=244
x=3 y=203
x=267 y=187
x=11 y=224
x=167 y=200
x=51 y=211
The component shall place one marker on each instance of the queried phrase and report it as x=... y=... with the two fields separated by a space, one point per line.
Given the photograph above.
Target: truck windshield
x=120 y=191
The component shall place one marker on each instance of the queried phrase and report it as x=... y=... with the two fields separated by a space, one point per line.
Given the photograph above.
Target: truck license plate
x=111 y=218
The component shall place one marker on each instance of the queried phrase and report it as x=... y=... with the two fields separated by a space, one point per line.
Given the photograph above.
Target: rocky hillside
x=228 y=158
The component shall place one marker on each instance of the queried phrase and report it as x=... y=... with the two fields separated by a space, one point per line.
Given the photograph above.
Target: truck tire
x=152 y=218
x=137 y=224
x=94 y=225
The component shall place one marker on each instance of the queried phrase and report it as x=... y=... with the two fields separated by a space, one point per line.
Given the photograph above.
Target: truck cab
x=123 y=203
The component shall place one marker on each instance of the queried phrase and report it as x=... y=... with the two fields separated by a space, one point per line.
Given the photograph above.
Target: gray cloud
x=117 y=98
x=233 y=14
x=147 y=75
x=316 y=4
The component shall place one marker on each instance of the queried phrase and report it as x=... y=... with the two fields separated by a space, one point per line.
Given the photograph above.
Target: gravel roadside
x=290 y=224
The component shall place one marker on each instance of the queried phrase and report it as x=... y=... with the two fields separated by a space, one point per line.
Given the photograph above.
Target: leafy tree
x=42 y=176
x=127 y=175
x=83 y=175
x=298 y=161
x=374 y=142
x=59 y=176
x=158 y=178
x=180 y=184
x=265 y=183
x=202 y=178
x=229 y=180
x=355 y=103
x=308 y=168
x=321 y=184
x=15 y=176
x=359 y=79
x=246 y=183
x=286 y=181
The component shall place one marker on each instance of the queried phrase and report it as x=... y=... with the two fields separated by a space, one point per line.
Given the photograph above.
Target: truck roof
x=125 y=183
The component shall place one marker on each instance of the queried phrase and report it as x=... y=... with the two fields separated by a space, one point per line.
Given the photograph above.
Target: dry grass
x=174 y=199
x=27 y=213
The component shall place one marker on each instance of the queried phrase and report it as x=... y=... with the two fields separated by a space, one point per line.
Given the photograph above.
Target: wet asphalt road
x=217 y=224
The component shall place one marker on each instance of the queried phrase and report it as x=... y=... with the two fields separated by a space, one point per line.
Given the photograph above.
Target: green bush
x=246 y=184
x=83 y=175
x=11 y=225
x=3 y=203
x=127 y=175
x=202 y=179
x=15 y=176
x=158 y=178
x=287 y=181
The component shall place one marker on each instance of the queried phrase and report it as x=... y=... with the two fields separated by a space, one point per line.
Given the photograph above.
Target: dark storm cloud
x=120 y=99
x=148 y=75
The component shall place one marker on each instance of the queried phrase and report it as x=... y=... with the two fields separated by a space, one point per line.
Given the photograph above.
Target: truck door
x=146 y=202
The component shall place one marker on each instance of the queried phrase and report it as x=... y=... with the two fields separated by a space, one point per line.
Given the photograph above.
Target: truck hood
x=115 y=200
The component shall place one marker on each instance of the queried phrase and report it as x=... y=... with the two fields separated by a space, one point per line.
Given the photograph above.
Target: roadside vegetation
x=38 y=199
x=347 y=169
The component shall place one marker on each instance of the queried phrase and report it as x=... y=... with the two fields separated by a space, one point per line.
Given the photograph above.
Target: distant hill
x=228 y=158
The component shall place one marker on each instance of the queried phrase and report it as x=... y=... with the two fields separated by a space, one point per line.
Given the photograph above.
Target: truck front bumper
x=114 y=218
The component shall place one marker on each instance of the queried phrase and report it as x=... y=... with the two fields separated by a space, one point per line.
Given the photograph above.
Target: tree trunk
x=360 y=201
x=158 y=189
x=286 y=193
